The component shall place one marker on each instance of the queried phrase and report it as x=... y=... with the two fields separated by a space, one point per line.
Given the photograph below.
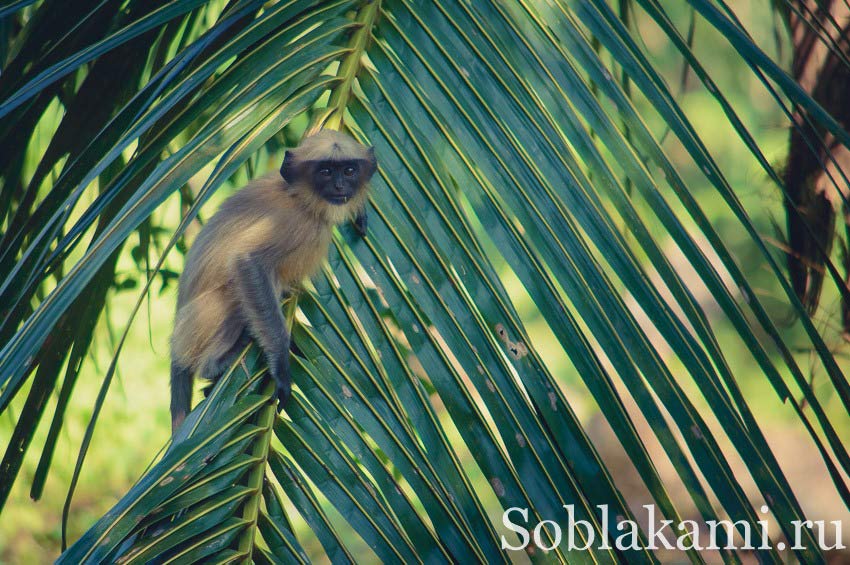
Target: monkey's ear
x=287 y=169
x=372 y=162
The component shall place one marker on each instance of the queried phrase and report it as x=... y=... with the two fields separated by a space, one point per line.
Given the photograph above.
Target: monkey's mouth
x=338 y=199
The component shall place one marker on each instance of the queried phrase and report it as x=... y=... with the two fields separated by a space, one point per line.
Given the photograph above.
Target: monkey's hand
x=279 y=370
x=259 y=301
x=361 y=223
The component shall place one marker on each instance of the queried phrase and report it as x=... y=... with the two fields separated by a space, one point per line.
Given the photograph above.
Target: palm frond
x=424 y=405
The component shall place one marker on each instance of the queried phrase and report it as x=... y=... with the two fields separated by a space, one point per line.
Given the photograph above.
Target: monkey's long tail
x=181 y=394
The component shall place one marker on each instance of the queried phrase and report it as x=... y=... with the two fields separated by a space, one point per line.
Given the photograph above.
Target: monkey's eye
x=349 y=171
x=325 y=172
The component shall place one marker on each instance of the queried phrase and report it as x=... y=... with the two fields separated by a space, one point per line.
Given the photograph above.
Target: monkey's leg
x=214 y=369
x=266 y=323
x=181 y=394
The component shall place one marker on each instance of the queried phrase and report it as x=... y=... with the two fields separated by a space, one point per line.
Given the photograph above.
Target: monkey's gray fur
x=264 y=240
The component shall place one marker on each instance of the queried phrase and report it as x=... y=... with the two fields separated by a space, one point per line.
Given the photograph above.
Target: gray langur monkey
x=264 y=240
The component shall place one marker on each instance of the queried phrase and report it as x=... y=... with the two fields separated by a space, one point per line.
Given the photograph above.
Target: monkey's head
x=334 y=167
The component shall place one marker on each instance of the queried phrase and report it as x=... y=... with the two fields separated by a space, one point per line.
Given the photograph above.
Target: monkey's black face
x=338 y=181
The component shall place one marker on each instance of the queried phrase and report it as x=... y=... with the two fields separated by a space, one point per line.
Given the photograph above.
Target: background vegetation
x=661 y=344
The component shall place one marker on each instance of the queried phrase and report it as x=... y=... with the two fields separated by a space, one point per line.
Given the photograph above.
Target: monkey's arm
x=261 y=306
x=361 y=222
